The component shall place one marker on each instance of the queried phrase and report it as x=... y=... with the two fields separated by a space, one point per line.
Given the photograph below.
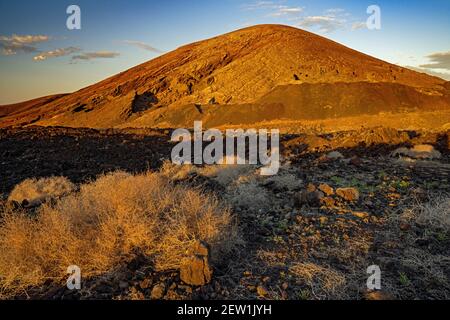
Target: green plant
x=304 y=295
x=403 y=278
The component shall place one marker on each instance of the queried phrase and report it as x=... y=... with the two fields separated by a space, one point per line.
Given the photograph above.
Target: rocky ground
x=341 y=203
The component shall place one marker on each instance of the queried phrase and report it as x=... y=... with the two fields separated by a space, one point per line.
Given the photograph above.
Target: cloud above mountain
x=56 y=53
x=359 y=26
x=330 y=21
x=96 y=55
x=445 y=76
x=143 y=45
x=11 y=45
x=327 y=21
x=276 y=9
x=439 y=60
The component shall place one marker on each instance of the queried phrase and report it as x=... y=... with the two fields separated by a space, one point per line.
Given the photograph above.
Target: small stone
x=361 y=215
x=335 y=155
x=146 y=283
x=158 y=291
x=356 y=161
x=404 y=226
x=378 y=295
x=325 y=188
x=285 y=285
x=348 y=194
x=328 y=202
x=311 y=187
x=323 y=220
x=262 y=291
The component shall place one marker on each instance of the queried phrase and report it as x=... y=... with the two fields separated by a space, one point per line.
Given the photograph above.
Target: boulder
x=335 y=155
x=195 y=269
x=420 y=152
x=361 y=215
x=158 y=291
x=348 y=194
x=325 y=188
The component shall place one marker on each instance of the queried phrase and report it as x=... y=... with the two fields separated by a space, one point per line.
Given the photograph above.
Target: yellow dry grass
x=106 y=223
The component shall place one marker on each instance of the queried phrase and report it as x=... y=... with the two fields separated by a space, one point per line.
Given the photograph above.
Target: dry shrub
x=226 y=174
x=286 y=181
x=435 y=214
x=324 y=282
x=426 y=267
x=36 y=191
x=108 y=222
x=177 y=172
x=241 y=182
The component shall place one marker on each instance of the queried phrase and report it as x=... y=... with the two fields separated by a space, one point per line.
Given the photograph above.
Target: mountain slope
x=238 y=70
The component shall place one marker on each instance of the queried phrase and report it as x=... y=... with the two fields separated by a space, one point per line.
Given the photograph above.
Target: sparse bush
x=425 y=267
x=106 y=223
x=226 y=174
x=435 y=214
x=287 y=181
x=248 y=194
x=324 y=282
x=36 y=191
x=177 y=172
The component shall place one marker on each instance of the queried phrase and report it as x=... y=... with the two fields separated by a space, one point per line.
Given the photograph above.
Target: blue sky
x=40 y=56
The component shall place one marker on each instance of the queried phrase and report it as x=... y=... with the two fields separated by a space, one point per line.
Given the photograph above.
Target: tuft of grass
x=106 y=223
x=403 y=278
x=324 y=282
x=36 y=191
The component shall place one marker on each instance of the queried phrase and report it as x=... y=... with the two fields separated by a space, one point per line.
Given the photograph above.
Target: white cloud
x=445 y=76
x=359 y=25
x=143 y=45
x=324 y=24
x=56 y=53
x=285 y=10
x=330 y=21
x=277 y=10
x=259 y=5
x=96 y=55
x=439 y=60
x=11 y=45
x=26 y=39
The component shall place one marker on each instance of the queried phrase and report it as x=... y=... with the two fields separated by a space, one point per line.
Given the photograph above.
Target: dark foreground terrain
x=340 y=203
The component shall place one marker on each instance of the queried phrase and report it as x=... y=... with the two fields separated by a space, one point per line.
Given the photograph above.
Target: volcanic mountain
x=260 y=73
